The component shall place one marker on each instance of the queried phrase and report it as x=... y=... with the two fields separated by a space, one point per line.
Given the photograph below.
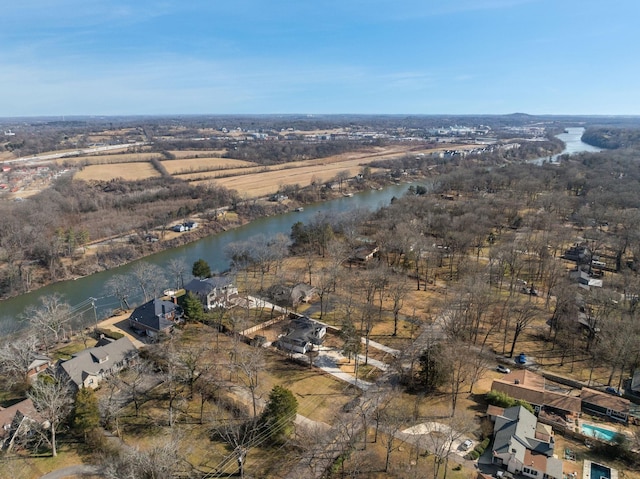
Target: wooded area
x=478 y=259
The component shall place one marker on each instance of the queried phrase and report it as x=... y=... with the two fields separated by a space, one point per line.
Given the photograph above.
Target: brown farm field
x=253 y=181
x=182 y=154
x=110 y=159
x=129 y=171
x=268 y=180
x=188 y=165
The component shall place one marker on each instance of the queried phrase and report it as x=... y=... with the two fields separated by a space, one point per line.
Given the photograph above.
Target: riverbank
x=206 y=242
x=254 y=217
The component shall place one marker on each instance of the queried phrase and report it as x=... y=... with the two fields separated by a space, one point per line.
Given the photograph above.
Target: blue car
x=612 y=390
x=521 y=358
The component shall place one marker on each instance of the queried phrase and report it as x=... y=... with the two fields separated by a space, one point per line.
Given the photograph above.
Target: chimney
x=163 y=310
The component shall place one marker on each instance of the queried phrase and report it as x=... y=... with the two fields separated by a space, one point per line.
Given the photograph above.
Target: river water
x=572 y=138
x=78 y=293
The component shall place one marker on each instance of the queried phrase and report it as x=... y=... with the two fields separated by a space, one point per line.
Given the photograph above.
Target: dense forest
x=612 y=138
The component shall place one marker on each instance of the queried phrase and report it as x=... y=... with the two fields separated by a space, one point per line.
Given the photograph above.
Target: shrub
x=500 y=399
x=473 y=455
x=480 y=448
x=108 y=333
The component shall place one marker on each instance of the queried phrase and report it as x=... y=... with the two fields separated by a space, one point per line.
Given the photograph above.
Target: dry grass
x=407 y=460
x=186 y=166
x=267 y=180
x=110 y=159
x=182 y=154
x=262 y=184
x=130 y=172
x=24 y=467
x=243 y=176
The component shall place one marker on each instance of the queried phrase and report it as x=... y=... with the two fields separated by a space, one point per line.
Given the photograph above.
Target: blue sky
x=120 y=57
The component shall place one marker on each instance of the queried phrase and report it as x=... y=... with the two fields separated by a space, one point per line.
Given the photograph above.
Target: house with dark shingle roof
x=523 y=446
x=88 y=367
x=213 y=292
x=155 y=316
x=605 y=404
x=303 y=333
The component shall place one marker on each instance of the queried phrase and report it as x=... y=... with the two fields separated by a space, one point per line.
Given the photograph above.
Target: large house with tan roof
x=532 y=388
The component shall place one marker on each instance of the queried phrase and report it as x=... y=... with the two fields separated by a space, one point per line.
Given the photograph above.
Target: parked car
x=466 y=445
x=612 y=390
x=503 y=369
x=521 y=358
x=503 y=475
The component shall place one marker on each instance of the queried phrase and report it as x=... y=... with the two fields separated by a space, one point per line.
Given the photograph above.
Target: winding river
x=572 y=139
x=86 y=292
x=80 y=292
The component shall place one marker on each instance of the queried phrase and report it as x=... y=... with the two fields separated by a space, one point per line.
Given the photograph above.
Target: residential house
x=578 y=253
x=635 y=383
x=156 y=316
x=605 y=404
x=186 y=226
x=531 y=387
x=16 y=421
x=213 y=292
x=523 y=446
x=300 y=293
x=87 y=368
x=584 y=279
x=303 y=333
x=365 y=253
x=39 y=363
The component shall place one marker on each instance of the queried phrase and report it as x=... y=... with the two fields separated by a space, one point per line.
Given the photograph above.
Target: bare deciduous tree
x=149 y=278
x=16 y=357
x=53 y=399
x=49 y=318
x=119 y=285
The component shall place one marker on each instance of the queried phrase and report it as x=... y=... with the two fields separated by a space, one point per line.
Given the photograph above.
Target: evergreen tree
x=433 y=368
x=201 y=269
x=86 y=415
x=193 y=308
x=279 y=414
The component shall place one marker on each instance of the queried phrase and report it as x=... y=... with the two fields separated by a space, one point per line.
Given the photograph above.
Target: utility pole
x=95 y=313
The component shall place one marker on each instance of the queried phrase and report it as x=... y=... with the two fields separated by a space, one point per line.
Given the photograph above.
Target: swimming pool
x=598 y=432
x=598 y=471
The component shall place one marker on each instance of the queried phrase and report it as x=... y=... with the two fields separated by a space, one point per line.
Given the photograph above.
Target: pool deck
x=586 y=470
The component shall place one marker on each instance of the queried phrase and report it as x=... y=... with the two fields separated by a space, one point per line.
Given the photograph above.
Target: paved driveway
x=73 y=471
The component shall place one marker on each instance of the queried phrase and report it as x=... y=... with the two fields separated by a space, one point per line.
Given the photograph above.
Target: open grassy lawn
x=65 y=352
x=25 y=467
x=406 y=461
